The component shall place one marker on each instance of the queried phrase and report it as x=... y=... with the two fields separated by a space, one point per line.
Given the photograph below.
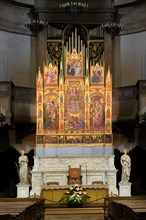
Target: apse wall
x=17 y=46
x=18 y=59
x=129 y=59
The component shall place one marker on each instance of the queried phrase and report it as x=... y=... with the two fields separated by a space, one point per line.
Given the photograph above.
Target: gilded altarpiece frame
x=74 y=108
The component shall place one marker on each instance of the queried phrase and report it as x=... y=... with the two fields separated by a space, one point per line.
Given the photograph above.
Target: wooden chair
x=74 y=176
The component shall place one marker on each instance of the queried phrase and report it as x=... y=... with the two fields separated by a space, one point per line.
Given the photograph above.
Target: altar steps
x=88 y=213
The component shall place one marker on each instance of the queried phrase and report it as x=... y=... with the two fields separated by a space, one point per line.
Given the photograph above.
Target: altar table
x=53 y=193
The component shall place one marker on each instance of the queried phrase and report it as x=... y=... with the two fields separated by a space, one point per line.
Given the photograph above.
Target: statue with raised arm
x=126 y=167
x=23 y=168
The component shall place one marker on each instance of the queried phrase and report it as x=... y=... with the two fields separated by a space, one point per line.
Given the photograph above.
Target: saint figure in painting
x=50 y=77
x=74 y=102
x=97 y=113
x=51 y=115
x=71 y=68
x=96 y=76
x=39 y=97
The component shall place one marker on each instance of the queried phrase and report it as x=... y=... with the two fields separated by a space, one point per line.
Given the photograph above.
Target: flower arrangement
x=75 y=195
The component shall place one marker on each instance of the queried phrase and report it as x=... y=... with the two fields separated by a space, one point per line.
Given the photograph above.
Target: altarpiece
x=74 y=108
x=74 y=115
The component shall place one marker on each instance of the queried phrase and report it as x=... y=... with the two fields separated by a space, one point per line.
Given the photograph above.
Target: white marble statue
x=23 y=168
x=126 y=167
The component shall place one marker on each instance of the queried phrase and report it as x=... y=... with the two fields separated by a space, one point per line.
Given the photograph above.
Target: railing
x=125 y=208
x=21 y=209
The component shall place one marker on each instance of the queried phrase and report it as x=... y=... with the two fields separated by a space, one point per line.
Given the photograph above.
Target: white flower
x=75 y=194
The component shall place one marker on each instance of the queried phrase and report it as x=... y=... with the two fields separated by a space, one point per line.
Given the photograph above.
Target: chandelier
x=74 y=7
x=112 y=28
x=36 y=25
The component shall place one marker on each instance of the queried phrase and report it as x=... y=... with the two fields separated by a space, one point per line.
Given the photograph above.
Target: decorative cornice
x=14 y=3
x=13 y=17
x=133 y=18
x=127 y=3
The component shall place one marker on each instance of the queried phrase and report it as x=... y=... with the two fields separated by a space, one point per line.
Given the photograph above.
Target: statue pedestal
x=23 y=190
x=124 y=189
